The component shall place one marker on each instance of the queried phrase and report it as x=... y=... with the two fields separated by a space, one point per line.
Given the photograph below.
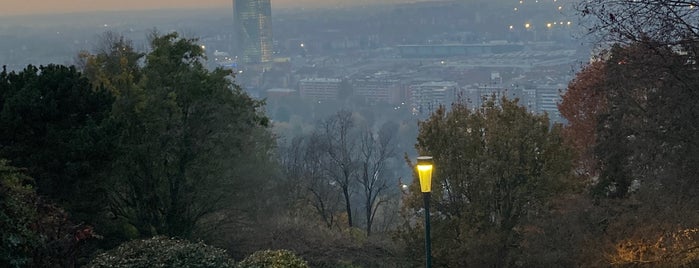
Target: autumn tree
x=644 y=147
x=581 y=106
x=114 y=66
x=496 y=168
x=651 y=116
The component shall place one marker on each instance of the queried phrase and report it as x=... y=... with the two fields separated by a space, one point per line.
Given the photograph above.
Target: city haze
x=22 y=7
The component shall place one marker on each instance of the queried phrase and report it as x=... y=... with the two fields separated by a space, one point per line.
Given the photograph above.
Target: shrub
x=163 y=252
x=17 y=213
x=273 y=259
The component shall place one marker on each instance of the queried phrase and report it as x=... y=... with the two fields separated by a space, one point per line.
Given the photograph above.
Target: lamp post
x=424 y=171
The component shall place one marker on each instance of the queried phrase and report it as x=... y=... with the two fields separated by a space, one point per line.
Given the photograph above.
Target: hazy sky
x=20 y=7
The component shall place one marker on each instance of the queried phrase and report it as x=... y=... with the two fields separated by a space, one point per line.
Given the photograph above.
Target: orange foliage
x=678 y=248
x=582 y=103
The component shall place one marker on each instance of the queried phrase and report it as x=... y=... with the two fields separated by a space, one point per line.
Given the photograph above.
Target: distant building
x=279 y=93
x=376 y=90
x=253 y=23
x=547 y=99
x=320 y=89
x=427 y=97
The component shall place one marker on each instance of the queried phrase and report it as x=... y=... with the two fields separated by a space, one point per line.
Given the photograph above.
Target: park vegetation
x=149 y=159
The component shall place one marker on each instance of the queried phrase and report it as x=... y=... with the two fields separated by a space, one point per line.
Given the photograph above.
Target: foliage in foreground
x=35 y=232
x=161 y=251
x=17 y=212
x=273 y=259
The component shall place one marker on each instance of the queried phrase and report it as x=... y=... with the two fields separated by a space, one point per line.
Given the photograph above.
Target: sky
x=23 y=7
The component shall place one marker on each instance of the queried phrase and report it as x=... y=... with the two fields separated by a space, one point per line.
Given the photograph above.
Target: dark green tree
x=191 y=146
x=53 y=123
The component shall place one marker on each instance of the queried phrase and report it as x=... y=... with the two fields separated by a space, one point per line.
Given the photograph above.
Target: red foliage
x=63 y=240
x=582 y=104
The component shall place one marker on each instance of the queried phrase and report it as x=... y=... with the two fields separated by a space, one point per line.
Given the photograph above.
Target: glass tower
x=253 y=22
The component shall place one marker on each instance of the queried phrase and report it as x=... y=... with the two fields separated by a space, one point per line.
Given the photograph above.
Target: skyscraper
x=253 y=22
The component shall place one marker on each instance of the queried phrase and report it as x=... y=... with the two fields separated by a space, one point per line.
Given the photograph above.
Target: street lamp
x=424 y=171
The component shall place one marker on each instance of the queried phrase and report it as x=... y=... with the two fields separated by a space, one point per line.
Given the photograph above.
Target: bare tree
x=303 y=163
x=376 y=149
x=341 y=154
x=670 y=22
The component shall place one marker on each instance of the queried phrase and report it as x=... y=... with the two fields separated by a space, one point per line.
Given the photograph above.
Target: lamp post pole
x=428 y=240
x=424 y=171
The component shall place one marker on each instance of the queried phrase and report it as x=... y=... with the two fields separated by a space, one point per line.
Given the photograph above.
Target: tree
x=376 y=150
x=581 y=106
x=645 y=150
x=665 y=22
x=651 y=116
x=190 y=146
x=54 y=124
x=341 y=154
x=114 y=66
x=344 y=156
x=303 y=160
x=496 y=168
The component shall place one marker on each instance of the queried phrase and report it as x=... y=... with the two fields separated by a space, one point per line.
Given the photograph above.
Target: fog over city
x=19 y=7
x=362 y=133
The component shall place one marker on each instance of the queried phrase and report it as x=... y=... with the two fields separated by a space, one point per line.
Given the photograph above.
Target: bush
x=163 y=252
x=273 y=259
x=17 y=213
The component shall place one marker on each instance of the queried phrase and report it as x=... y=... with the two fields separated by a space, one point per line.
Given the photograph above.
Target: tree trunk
x=348 y=206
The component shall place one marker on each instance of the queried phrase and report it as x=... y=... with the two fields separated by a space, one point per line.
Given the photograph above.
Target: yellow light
x=424 y=171
x=548 y=25
x=527 y=25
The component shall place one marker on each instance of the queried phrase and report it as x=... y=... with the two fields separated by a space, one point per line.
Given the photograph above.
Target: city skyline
x=28 y=7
